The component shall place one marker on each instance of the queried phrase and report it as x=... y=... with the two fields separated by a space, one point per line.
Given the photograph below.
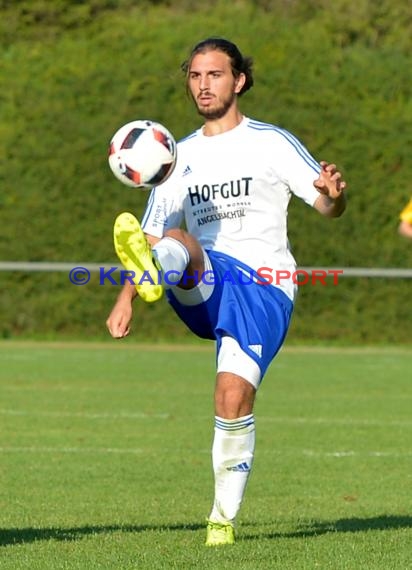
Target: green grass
x=105 y=459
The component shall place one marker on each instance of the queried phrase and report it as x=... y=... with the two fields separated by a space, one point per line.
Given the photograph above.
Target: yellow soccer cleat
x=136 y=256
x=219 y=534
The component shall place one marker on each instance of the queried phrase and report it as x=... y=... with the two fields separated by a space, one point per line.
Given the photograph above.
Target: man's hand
x=118 y=322
x=330 y=181
x=331 y=202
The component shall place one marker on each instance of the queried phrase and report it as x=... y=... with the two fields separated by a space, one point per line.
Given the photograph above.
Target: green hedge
x=338 y=76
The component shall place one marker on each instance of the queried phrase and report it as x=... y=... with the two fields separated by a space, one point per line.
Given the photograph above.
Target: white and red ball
x=142 y=154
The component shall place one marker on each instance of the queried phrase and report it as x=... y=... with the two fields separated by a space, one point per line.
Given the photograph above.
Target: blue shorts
x=257 y=316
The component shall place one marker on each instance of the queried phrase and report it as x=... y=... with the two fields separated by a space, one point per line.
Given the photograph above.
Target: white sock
x=232 y=455
x=173 y=259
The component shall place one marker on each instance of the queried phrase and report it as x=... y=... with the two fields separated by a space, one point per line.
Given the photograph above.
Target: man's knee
x=234 y=396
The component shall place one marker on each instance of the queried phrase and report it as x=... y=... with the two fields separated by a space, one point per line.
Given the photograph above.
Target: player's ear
x=239 y=82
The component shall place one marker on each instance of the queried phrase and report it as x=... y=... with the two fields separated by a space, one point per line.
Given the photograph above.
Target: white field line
x=166 y=416
x=348 y=453
x=87 y=415
x=87 y=450
x=336 y=421
x=308 y=453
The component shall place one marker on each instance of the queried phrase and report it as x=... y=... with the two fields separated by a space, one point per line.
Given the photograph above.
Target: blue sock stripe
x=233 y=425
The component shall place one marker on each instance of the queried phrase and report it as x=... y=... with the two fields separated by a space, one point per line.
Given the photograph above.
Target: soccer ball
x=142 y=154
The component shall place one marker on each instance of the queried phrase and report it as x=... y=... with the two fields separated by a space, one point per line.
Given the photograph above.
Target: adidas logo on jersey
x=187 y=171
x=256 y=348
x=240 y=468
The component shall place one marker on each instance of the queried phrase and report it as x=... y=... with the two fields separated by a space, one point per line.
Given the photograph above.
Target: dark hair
x=239 y=63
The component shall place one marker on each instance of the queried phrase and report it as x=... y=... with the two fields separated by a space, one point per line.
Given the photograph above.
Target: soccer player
x=228 y=275
x=405 y=224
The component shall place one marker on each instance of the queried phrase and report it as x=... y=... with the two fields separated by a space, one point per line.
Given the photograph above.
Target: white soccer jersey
x=232 y=193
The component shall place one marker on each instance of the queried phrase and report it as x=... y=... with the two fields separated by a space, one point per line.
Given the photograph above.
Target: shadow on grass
x=317 y=528
x=309 y=529
x=10 y=536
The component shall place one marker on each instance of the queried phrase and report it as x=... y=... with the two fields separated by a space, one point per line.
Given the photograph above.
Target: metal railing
x=56 y=266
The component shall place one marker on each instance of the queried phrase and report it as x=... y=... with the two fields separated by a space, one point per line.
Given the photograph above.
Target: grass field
x=105 y=459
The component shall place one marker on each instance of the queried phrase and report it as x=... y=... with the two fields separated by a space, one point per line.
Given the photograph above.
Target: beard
x=216 y=111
